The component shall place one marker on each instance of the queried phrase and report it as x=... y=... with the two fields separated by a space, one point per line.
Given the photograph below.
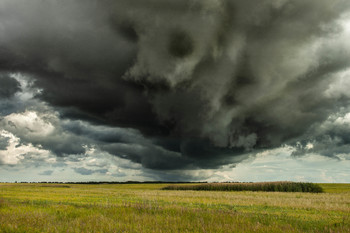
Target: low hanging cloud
x=175 y=84
x=8 y=86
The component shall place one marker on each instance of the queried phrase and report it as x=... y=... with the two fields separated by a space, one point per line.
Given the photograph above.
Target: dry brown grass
x=2 y=202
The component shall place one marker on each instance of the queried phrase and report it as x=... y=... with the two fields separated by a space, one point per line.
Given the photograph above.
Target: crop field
x=148 y=208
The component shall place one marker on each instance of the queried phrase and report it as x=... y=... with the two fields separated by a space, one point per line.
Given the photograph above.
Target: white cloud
x=16 y=152
x=31 y=123
x=280 y=165
x=28 y=91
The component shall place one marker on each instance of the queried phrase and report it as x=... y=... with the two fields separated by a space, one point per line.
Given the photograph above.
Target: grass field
x=147 y=208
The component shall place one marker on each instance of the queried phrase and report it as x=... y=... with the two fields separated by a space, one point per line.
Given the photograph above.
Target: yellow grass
x=146 y=208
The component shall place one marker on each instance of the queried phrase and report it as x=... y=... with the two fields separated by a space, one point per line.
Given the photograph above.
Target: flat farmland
x=147 y=208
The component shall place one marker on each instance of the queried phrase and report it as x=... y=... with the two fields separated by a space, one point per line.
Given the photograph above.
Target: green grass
x=147 y=208
x=336 y=188
x=261 y=186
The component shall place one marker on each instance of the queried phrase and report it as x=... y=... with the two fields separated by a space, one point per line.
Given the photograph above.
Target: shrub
x=281 y=186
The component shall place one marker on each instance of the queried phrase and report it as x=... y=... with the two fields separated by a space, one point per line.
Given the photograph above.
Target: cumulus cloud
x=175 y=85
x=40 y=131
x=16 y=153
x=278 y=164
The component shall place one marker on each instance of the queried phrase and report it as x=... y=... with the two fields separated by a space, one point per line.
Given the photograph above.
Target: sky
x=163 y=90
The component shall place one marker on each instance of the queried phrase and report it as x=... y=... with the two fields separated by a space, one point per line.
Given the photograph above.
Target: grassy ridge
x=261 y=186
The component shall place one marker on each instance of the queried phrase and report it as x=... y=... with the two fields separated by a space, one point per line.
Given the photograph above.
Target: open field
x=146 y=208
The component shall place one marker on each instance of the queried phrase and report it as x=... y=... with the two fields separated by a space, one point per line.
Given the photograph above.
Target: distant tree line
x=282 y=186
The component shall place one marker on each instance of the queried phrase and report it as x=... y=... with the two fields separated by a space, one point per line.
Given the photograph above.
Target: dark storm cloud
x=8 y=86
x=330 y=138
x=154 y=153
x=195 y=83
x=128 y=144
